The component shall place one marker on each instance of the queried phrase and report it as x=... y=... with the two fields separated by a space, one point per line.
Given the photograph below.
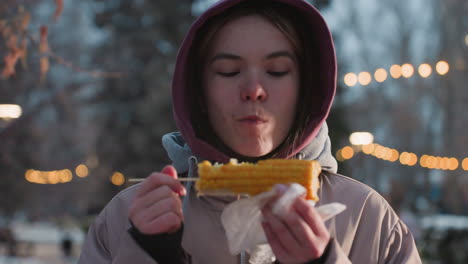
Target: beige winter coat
x=368 y=231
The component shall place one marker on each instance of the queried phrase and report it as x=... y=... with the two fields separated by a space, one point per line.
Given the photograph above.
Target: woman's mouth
x=252 y=120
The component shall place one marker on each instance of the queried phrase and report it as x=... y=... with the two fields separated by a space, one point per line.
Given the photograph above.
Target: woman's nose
x=253 y=92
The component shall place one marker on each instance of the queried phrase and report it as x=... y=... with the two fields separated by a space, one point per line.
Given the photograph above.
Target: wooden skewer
x=179 y=179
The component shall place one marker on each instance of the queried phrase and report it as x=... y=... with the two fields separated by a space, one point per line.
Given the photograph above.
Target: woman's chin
x=253 y=150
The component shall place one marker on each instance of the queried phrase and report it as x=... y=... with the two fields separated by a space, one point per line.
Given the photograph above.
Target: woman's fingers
x=301 y=231
x=297 y=237
x=170 y=170
x=311 y=217
x=275 y=243
x=157 y=179
x=157 y=207
x=154 y=219
x=169 y=204
x=281 y=233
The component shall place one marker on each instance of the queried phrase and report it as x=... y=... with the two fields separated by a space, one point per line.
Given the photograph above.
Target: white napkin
x=242 y=221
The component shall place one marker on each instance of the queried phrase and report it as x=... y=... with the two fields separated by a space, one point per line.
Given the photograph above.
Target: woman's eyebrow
x=230 y=56
x=281 y=53
x=224 y=55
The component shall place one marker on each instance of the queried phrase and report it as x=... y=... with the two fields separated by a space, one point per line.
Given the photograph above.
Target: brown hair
x=293 y=26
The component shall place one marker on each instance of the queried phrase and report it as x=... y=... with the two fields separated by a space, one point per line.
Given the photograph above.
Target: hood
x=327 y=85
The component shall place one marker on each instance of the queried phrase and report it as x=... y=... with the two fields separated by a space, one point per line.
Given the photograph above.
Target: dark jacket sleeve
x=164 y=248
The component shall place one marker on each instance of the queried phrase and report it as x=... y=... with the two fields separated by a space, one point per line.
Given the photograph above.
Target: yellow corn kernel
x=252 y=179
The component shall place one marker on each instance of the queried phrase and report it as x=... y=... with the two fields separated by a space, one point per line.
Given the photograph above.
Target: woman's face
x=251 y=85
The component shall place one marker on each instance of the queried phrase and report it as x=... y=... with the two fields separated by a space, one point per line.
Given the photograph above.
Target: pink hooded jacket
x=368 y=231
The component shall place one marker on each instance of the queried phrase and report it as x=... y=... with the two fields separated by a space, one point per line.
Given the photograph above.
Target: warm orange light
x=425 y=70
x=404 y=158
x=379 y=151
x=65 y=176
x=395 y=71
x=431 y=162
x=423 y=161
x=380 y=75
x=347 y=152
x=338 y=155
x=453 y=164
x=53 y=177
x=394 y=156
x=412 y=159
x=442 y=67
x=444 y=163
x=368 y=149
x=407 y=70
x=364 y=78
x=117 y=178
x=465 y=164
x=437 y=163
x=387 y=154
x=350 y=79
x=81 y=171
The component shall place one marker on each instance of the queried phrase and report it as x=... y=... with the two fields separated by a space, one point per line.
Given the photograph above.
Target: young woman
x=254 y=80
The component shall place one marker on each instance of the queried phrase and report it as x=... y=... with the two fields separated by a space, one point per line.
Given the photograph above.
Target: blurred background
x=85 y=99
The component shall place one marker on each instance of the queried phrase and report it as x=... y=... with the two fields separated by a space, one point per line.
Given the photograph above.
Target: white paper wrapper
x=242 y=222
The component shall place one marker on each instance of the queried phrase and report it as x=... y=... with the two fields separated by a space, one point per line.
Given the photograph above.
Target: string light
x=405 y=158
x=10 y=111
x=442 y=67
x=81 y=171
x=361 y=138
x=407 y=70
x=364 y=78
x=117 y=178
x=425 y=70
x=350 y=79
x=380 y=75
x=396 y=71
x=48 y=177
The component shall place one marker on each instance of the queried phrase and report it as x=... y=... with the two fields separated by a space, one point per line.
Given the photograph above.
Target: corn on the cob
x=252 y=179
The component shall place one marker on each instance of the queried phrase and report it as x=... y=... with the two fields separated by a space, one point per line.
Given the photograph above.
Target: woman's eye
x=228 y=74
x=278 y=73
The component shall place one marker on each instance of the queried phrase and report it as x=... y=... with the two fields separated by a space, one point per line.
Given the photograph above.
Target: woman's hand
x=299 y=237
x=157 y=207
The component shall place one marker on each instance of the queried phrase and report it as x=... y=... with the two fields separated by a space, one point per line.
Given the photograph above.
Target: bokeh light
x=347 y=152
x=48 y=177
x=465 y=164
x=350 y=79
x=368 y=149
x=117 y=178
x=364 y=78
x=361 y=138
x=395 y=71
x=442 y=67
x=338 y=155
x=81 y=171
x=466 y=39
x=380 y=75
x=425 y=70
x=407 y=70
x=8 y=111
x=395 y=155
x=453 y=164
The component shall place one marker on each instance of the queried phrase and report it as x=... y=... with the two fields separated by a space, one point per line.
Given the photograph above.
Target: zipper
x=242 y=258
